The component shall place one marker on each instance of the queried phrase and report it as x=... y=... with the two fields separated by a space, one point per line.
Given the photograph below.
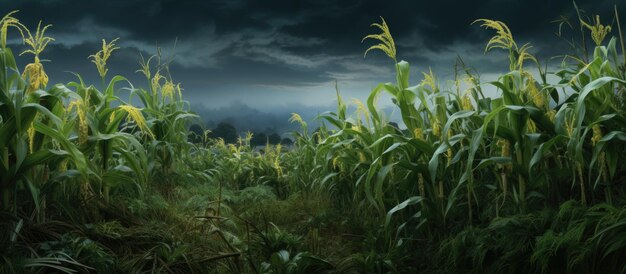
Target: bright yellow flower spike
x=38 y=42
x=387 y=45
x=531 y=126
x=156 y=82
x=6 y=22
x=418 y=134
x=466 y=101
x=83 y=127
x=430 y=80
x=167 y=91
x=37 y=77
x=536 y=95
x=145 y=66
x=362 y=110
x=505 y=151
x=524 y=55
x=436 y=128
x=34 y=72
x=135 y=115
x=569 y=126
x=101 y=57
x=598 y=31
x=597 y=134
x=503 y=38
x=295 y=117
x=31 y=135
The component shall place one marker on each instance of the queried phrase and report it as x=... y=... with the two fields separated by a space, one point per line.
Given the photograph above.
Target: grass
x=528 y=180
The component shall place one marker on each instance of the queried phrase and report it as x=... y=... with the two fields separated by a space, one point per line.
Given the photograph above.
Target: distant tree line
x=229 y=134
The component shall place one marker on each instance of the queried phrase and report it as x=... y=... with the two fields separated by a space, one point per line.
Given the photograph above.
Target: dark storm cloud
x=267 y=53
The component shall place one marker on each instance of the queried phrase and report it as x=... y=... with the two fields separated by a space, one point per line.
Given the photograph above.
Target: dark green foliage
x=258 y=139
x=286 y=142
x=529 y=181
x=225 y=131
x=274 y=139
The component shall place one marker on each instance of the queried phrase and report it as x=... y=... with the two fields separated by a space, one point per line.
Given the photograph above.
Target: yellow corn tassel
x=36 y=76
x=505 y=151
x=101 y=57
x=597 y=134
x=295 y=117
x=569 y=126
x=436 y=128
x=430 y=80
x=279 y=149
x=503 y=37
x=418 y=134
x=531 y=126
x=536 y=95
x=551 y=115
x=6 y=22
x=221 y=143
x=232 y=148
x=31 y=138
x=598 y=31
x=135 y=115
x=466 y=102
x=112 y=117
x=362 y=110
x=279 y=170
x=83 y=127
x=156 y=82
x=387 y=44
x=167 y=91
x=505 y=147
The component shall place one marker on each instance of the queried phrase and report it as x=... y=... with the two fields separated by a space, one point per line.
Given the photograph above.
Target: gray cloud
x=289 y=52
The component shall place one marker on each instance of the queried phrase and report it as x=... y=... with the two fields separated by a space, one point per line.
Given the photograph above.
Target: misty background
x=252 y=63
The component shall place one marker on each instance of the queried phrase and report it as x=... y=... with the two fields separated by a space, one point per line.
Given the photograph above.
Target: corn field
x=106 y=177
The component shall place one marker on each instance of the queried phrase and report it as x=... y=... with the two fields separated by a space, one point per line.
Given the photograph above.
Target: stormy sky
x=269 y=58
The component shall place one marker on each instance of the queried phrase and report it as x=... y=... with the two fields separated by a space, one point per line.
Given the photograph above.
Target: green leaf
x=410 y=201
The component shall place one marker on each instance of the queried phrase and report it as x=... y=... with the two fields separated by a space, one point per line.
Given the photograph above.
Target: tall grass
x=467 y=161
x=527 y=180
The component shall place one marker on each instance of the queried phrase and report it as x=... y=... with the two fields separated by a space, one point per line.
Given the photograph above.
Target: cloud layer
x=289 y=52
